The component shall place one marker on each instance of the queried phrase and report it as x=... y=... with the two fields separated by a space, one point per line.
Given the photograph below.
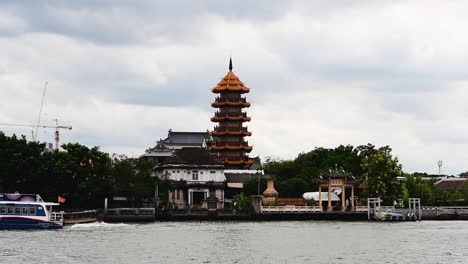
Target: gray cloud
x=321 y=73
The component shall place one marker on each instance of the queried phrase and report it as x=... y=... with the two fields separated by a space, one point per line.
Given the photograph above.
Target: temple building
x=196 y=179
x=165 y=148
x=229 y=145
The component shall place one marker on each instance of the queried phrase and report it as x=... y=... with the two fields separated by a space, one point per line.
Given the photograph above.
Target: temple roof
x=230 y=82
x=194 y=138
x=178 y=140
x=192 y=156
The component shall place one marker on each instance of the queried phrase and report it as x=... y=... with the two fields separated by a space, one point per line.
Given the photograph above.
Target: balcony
x=233 y=131
x=237 y=160
x=232 y=146
x=230 y=116
x=222 y=101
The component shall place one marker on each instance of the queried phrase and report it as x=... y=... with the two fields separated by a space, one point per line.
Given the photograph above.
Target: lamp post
x=258 y=182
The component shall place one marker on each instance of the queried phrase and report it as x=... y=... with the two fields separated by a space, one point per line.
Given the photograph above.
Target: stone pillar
x=329 y=208
x=190 y=197
x=343 y=198
x=352 y=197
x=257 y=204
x=320 y=197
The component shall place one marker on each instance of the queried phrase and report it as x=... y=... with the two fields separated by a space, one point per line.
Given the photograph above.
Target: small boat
x=28 y=211
x=388 y=216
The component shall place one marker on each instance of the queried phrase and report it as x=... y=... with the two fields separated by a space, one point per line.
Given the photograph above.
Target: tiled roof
x=192 y=156
x=230 y=82
x=450 y=184
x=185 y=137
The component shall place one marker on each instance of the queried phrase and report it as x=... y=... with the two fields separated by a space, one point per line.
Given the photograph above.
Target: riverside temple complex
x=209 y=168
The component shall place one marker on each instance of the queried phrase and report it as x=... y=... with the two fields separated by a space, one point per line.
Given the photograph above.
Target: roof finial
x=230 y=63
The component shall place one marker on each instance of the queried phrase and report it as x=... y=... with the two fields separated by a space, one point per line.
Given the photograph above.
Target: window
x=32 y=210
x=17 y=210
x=177 y=171
x=173 y=195
x=178 y=194
x=9 y=210
x=194 y=175
x=2 y=210
x=212 y=172
x=24 y=210
x=201 y=172
x=173 y=171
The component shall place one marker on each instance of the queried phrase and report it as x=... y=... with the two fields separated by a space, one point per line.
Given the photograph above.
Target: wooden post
x=329 y=208
x=343 y=197
x=320 y=197
x=352 y=197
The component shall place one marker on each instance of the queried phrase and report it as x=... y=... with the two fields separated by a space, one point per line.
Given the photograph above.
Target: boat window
x=9 y=210
x=32 y=210
x=2 y=210
x=17 y=210
x=24 y=210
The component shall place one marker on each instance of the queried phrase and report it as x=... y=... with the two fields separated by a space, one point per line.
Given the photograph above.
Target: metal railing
x=234 y=144
x=231 y=100
x=235 y=129
x=56 y=216
x=290 y=209
x=230 y=114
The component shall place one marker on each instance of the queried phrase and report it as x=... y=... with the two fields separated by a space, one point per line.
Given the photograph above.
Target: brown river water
x=242 y=242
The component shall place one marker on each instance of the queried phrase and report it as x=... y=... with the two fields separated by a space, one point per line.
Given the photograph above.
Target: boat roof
x=20 y=197
x=26 y=202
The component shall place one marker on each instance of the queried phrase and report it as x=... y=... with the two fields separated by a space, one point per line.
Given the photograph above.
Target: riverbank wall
x=151 y=215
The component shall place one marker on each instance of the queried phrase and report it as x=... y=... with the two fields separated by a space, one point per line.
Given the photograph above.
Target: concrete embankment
x=445 y=213
x=150 y=215
x=246 y=216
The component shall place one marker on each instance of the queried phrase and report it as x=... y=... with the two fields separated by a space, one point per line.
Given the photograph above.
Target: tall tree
x=381 y=170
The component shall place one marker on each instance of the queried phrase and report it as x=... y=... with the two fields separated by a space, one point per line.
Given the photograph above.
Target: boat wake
x=98 y=225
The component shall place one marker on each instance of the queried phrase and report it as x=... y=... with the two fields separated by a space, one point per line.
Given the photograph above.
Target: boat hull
x=21 y=223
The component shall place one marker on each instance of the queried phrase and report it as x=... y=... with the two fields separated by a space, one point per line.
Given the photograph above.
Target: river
x=242 y=242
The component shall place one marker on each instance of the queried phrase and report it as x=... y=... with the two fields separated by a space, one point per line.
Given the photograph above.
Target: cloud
x=321 y=73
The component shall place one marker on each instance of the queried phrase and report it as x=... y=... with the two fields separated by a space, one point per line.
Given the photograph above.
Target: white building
x=195 y=178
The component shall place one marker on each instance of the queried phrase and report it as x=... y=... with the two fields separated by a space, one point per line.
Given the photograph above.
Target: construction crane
x=57 y=128
x=34 y=133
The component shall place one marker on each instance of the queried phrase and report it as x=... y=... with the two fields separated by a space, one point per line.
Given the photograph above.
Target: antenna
x=439 y=163
x=40 y=112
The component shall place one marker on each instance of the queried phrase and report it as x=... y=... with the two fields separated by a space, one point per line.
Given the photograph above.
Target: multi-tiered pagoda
x=229 y=144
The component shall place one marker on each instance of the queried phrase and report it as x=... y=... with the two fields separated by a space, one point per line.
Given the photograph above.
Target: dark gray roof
x=192 y=156
x=195 y=138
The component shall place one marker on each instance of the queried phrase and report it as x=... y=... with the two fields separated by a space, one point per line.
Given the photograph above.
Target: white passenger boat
x=28 y=211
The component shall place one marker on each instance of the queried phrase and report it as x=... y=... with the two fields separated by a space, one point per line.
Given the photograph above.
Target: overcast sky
x=321 y=73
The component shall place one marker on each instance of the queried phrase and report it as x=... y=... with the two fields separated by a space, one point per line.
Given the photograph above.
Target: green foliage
x=251 y=186
x=416 y=186
x=381 y=171
x=85 y=176
x=376 y=165
x=465 y=192
x=293 y=187
x=311 y=202
x=242 y=201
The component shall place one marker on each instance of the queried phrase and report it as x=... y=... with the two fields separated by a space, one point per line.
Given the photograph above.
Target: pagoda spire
x=230 y=64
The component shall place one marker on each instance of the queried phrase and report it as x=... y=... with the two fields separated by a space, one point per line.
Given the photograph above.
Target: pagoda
x=229 y=145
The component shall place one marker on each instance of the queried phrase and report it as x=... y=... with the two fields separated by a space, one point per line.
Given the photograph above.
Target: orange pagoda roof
x=230 y=83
